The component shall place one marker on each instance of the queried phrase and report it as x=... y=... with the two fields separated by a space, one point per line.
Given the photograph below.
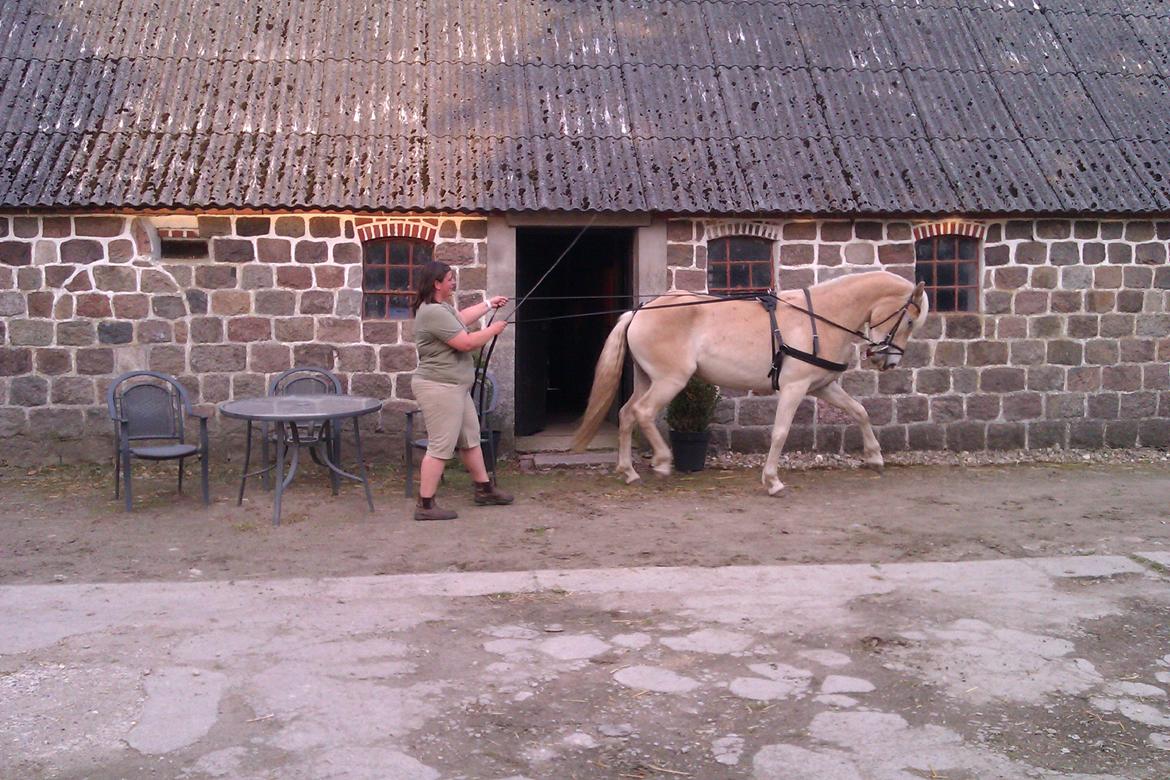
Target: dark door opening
x=555 y=358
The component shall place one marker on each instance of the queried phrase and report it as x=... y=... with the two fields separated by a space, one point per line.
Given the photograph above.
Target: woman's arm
x=474 y=312
x=465 y=342
x=477 y=310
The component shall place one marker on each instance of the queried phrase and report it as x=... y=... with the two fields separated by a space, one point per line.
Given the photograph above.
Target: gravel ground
x=801 y=461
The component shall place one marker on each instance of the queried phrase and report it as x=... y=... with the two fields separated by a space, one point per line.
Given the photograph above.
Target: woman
x=442 y=384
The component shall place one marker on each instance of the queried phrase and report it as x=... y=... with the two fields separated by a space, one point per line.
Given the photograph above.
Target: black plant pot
x=491 y=450
x=690 y=449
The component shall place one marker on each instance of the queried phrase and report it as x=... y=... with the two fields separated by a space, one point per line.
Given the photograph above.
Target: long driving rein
x=769 y=300
x=780 y=348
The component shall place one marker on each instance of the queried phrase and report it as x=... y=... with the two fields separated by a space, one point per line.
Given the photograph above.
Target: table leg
x=326 y=440
x=296 y=454
x=279 y=473
x=357 y=439
x=247 y=460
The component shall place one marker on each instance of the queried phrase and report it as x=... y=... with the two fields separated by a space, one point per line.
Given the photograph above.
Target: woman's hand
x=498 y=301
x=496 y=328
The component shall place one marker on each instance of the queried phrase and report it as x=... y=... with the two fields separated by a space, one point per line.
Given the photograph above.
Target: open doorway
x=555 y=358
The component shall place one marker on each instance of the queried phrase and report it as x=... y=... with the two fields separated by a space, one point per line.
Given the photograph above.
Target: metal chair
x=146 y=406
x=485 y=397
x=304 y=380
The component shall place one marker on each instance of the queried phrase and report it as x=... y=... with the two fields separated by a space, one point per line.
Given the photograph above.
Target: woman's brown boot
x=427 y=509
x=488 y=493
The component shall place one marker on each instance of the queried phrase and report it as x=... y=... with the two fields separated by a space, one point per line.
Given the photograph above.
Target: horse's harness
x=780 y=348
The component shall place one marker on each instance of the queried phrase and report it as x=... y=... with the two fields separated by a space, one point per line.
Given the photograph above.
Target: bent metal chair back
x=306 y=380
x=485 y=397
x=148 y=410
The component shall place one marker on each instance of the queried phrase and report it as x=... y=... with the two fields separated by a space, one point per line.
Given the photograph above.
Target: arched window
x=950 y=267
x=739 y=264
x=388 y=269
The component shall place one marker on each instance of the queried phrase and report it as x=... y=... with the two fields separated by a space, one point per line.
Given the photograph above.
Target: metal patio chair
x=304 y=380
x=148 y=410
x=484 y=410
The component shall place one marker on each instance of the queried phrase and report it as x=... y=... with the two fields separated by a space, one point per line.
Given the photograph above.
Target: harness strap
x=812 y=320
x=819 y=362
x=780 y=349
x=769 y=303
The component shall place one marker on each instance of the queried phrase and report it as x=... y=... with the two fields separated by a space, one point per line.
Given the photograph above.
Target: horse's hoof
x=633 y=478
x=877 y=468
x=662 y=472
x=777 y=492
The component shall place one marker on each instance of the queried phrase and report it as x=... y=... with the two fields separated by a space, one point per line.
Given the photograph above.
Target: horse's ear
x=918 y=290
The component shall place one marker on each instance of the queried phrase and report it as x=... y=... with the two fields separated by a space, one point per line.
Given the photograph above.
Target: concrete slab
x=1029 y=668
x=547 y=459
x=1161 y=557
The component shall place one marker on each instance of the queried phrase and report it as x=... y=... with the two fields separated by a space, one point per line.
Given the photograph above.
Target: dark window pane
x=944 y=274
x=718 y=249
x=966 y=297
x=924 y=249
x=968 y=273
x=945 y=300
x=946 y=248
x=374 y=278
x=399 y=252
x=716 y=277
x=744 y=248
x=422 y=253
x=183 y=248
x=399 y=307
x=375 y=251
x=375 y=306
x=399 y=278
x=967 y=248
x=924 y=272
x=740 y=276
x=761 y=275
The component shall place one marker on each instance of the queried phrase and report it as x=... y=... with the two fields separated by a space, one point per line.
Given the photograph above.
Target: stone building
x=220 y=192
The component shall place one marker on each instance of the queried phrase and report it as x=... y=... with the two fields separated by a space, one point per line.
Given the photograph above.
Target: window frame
x=384 y=245
x=726 y=262
x=956 y=262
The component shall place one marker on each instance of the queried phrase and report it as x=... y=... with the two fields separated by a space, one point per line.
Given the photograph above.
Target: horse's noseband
x=886 y=347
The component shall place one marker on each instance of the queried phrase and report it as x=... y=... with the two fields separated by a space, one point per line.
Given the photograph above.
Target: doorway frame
x=649 y=276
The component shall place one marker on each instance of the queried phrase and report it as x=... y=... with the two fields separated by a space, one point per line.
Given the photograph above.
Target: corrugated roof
x=680 y=106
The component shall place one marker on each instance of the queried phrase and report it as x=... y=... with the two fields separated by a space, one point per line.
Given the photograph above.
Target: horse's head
x=890 y=325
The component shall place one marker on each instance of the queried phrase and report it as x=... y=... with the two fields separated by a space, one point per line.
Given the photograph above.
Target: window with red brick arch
x=389 y=266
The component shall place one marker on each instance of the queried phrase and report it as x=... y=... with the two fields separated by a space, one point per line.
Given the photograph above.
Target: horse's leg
x=646 y=411
x=626 y=422
x=835 y=394
x=790 y=397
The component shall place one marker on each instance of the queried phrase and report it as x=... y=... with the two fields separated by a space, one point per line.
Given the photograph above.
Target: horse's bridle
x=886 y=347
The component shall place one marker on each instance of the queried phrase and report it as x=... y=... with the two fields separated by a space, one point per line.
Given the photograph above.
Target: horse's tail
x=606 y=379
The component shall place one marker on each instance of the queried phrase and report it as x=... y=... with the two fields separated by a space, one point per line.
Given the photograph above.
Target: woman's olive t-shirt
x=434 y=325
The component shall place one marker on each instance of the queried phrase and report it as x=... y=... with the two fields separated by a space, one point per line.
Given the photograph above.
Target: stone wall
x=84 y=298
x=1069 y=348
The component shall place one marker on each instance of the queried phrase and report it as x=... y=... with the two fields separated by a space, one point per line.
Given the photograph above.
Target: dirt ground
x=216 y=653
x=63 y=525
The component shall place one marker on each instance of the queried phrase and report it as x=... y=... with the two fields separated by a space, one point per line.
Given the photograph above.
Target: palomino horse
x=729 y=343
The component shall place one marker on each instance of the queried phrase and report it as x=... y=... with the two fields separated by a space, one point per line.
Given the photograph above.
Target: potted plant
x=689 y=417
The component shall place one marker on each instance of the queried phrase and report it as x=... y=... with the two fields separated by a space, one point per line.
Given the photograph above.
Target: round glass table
x=312 y=421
